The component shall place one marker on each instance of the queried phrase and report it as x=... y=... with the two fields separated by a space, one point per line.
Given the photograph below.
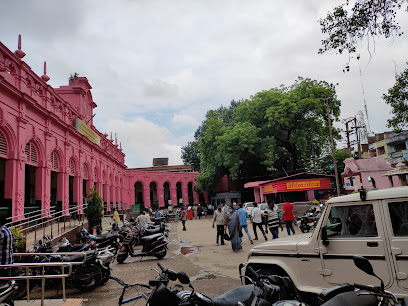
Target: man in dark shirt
x=6 y=247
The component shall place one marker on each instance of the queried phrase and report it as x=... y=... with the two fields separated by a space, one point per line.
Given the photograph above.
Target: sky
x=157 y=67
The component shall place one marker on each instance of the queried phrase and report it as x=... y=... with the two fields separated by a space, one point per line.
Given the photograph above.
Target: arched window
x=85 y=172
x=71 y=166
x=31 y=153
x=54 y=161
x=3 y=145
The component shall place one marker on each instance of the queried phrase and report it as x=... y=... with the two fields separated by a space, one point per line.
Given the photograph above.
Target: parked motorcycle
x=102 y=241
x=309 y=220
x=340 y=295
x=7 y=291
x=257 y=294
x=153 y=245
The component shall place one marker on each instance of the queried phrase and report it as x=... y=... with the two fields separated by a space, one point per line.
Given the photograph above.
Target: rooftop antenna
x=365 y=103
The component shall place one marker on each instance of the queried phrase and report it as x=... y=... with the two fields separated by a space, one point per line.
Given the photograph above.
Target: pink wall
x=34 y=113
x=160 y=178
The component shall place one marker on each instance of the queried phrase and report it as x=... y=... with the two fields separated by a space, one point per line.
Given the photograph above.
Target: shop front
x=302 y=187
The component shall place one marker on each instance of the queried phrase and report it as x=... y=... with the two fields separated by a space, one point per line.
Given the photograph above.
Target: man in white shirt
x=142 y=219
x=257 y=221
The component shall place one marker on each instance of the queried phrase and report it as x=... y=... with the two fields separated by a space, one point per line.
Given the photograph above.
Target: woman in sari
x=232 y=222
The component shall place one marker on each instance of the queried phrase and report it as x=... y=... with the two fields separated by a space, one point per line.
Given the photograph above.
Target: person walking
x=199 y=211
x=183 y=216
x=190 y=214
x=195 y=211
x=288 y=216
x=232 y=222
x=242 y=214
x=225 y=208
x=116 y=216
x=272 y=220
x=6 y=248
x=219 y=220
x=257 y=221
x=142 y=219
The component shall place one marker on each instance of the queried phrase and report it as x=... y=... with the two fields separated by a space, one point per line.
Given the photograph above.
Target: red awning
x=297 y=185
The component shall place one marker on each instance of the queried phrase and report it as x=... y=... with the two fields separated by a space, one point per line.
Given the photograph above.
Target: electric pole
x=332 y=147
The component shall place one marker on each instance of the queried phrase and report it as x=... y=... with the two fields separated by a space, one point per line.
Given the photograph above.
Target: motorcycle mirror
x=172 y=275
x=183 y=278
x=364 y=265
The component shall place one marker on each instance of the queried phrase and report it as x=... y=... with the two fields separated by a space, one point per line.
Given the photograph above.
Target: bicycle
x=129 y=286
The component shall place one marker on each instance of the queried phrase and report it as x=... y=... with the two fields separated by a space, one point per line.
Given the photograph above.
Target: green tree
x=272 y=131
x=397 y=97
x=94 y=211
x=346 y=26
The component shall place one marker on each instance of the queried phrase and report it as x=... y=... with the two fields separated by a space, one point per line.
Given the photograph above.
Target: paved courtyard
x=212 y=268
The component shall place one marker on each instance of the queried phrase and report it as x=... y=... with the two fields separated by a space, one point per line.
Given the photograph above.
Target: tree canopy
x=347 y=26
x=397 y=97
x=279 y=129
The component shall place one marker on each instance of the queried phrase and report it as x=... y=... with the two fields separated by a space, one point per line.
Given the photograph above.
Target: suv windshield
x=263 y=206
x=249 y=204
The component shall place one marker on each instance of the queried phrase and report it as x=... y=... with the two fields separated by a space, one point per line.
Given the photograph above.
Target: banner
x=85 y=130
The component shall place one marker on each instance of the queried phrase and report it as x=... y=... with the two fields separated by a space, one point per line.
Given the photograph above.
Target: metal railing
x=31 y=265
x=39 y=221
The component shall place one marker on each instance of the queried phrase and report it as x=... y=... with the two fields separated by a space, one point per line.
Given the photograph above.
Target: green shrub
x=94 y=212
x=19 y=241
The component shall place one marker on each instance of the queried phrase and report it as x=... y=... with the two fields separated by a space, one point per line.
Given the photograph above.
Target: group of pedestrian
x=236 y=221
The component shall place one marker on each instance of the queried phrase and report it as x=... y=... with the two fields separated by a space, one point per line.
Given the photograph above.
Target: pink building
x=356 y=173
x=51 y=154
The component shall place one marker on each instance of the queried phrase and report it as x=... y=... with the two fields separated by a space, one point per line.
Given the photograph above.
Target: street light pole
x=332 y=146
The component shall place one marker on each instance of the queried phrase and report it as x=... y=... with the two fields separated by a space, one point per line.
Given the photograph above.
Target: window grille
x=54 y=161
x=3 y=145
x=71 y=166
x=31 y=153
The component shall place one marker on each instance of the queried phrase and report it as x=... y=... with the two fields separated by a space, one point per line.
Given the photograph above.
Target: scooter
x=102 y=241
x=153 y=245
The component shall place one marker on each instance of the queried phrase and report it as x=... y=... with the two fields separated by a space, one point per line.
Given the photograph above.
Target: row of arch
x=162 y=194
x=68 y=186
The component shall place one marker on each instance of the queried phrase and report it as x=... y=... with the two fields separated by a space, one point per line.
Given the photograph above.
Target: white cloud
x=184 y=120
x=142 y=140
x=182 y=58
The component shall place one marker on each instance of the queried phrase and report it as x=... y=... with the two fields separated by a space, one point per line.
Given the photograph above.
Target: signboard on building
x=85 y=130
x=297 y=185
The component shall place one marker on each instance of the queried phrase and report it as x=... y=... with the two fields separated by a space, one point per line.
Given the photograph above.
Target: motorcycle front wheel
x=160 y=254
x=87 y=277
x=122 y=257
x=304 y=229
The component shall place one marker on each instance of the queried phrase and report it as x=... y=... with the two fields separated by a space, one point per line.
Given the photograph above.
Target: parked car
x=248 y=206
x=373 y=224
x=263 y=207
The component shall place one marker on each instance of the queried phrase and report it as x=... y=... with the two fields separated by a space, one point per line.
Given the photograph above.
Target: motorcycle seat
x=105 y=237
x=5 y=286
x=152 y=231
x=232 y=297
x=150 y=237
x=76 y=258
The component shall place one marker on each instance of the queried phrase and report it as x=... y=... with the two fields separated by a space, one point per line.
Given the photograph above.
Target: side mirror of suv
x=324 y=236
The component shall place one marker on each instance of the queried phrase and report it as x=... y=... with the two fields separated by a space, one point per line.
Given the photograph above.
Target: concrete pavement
x=212 y=268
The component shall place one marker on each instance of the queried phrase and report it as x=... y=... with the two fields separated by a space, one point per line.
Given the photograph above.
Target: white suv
x=373 y=224
x=248 y=206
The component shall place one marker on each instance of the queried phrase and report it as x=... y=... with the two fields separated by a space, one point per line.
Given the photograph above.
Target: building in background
x=51 y=154
x=301 y=187
x=392 y=145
